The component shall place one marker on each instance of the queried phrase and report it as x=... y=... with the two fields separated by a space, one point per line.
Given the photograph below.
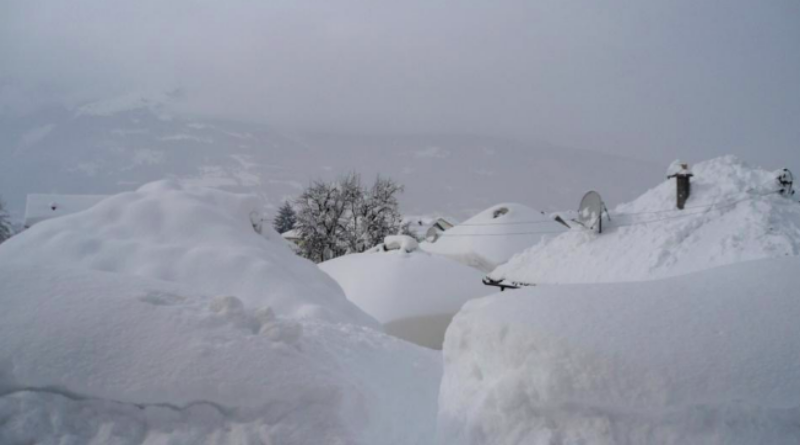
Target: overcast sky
x=653 y=79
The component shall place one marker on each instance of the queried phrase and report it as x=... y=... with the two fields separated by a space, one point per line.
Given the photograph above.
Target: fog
x=652 y=80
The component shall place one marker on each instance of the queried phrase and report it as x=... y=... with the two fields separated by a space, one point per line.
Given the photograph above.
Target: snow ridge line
x=707 y=208
x=226 y=411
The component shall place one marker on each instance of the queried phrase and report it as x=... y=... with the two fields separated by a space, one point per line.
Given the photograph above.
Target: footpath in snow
x=414 y=294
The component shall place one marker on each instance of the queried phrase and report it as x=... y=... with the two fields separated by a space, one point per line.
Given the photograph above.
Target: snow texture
x=198 y=237
x=414 y=295
x=41 y=207
x=491 y=237
x=95 y=357
x=400 y=242
x=709 y=357
x=162 y=316
x=734 y=214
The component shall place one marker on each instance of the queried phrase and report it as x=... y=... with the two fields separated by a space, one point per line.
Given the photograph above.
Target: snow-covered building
x=40 y=207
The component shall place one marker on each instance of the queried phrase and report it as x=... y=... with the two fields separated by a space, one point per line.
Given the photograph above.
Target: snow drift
x=161 y=316
x=491 y=237
x=704 y=358
x=733 y=214
x=195 y=236
x=102 y=358
x=414 y=295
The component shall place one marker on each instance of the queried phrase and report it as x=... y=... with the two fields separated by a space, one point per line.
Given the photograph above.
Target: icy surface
x=491 y=237
x=413 y=294
x=194 y=236
x=733 y=214
x=709 y=357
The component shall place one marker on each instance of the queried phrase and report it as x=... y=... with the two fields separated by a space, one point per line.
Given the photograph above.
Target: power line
x=627 y=224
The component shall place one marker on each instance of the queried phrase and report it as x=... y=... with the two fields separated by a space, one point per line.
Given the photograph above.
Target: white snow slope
x=195 y=236
x=160 y=316
x=414 y=295
x=491 y=237
x=733 y=214
x=92 y=357
x=704 y=358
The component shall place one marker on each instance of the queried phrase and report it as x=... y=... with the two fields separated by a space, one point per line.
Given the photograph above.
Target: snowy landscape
x=341 y=223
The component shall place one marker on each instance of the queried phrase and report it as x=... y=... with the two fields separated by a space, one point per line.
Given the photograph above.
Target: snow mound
x=709 y=357
x=414 y=295
x=400 y=242
x=198 y=237
x=97 y=357
x=734 y=214
x=491 y=237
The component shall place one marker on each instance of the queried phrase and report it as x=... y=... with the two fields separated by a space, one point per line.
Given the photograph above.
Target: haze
x=651 y=80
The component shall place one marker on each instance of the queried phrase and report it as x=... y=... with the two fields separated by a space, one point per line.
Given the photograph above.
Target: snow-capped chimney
x=684 y=185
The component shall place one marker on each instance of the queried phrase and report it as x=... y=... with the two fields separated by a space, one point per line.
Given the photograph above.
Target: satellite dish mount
x=590 y=212
x=786 y=182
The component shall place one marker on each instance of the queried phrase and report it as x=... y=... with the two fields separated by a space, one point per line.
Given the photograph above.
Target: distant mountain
x=118 y=145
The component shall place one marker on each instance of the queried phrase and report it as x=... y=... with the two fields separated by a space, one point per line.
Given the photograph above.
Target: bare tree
x=344 y=217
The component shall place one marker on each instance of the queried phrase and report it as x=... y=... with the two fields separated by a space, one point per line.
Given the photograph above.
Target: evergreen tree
x=285 y=219
x=6 y=229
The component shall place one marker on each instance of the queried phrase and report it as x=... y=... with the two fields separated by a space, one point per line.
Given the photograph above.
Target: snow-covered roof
x=734 y=214
x=40 y=207
x=491 y=237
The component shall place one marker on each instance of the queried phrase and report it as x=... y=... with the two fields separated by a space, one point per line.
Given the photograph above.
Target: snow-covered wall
x=414 y=294
x=709 y=357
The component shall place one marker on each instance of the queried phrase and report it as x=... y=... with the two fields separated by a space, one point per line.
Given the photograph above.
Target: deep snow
x=709 y=357
x=161 y=316
x=734 y=214
x=414 y=294
x=195 y=236
x=95 y=356
x=494 y=235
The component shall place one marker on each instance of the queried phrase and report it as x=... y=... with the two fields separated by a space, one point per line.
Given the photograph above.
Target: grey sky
x=652 y=79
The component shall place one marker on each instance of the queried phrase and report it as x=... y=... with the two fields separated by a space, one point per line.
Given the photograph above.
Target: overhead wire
x=683 y=214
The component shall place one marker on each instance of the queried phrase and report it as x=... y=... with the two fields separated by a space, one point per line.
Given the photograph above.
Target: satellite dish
x=590 y=212
x=786 y=181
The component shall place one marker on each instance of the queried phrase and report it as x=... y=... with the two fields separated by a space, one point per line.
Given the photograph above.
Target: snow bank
x=704 y=358
x=99 y=357
x=491 y=237
x=733 y=214
x=198 y=237
x=414 y=295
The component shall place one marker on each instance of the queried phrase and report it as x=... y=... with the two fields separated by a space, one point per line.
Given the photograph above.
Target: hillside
x=118 y=145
